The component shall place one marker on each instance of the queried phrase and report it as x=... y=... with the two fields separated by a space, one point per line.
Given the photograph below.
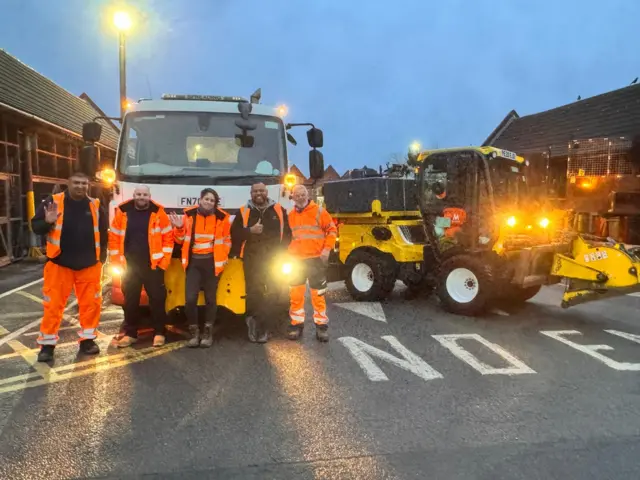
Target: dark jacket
x=267 y=244
x=77 y=241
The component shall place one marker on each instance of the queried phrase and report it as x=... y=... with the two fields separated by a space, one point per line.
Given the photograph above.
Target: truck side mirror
x=315 y=138
x=90 y=160
x=316 y=164
x=91 y=132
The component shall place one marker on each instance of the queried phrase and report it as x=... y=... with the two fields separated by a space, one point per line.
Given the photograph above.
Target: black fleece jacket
x=77 y=244
x=266 y=244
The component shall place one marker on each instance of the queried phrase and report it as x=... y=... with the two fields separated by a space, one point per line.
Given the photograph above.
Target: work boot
x=158 y=340
x=294 y=332
x=207 y=336
x=194 y=341
x=252 y=328
x=89 y=347
x=322 y=333
x=262 y=332
x=46 y=353
x=126 y=341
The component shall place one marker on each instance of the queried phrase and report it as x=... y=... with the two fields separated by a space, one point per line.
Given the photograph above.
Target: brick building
x=579 y=152
x=40 y=140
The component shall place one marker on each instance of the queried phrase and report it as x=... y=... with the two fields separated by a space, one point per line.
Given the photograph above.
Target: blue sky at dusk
x=373 y=75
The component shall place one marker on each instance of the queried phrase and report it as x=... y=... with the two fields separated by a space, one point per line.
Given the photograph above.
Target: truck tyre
x=369 y=277
x=465 y=284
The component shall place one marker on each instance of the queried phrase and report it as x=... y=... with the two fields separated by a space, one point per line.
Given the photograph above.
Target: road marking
x=73 y=327
x=592 y=350
x=628 y=336
x=18 y=289
x=30 y=296
x=3 y=331
x=31 y=357
x=450 y=342
x=362 y=353
x=20 y=315
x=95 y=365
x=368 y=309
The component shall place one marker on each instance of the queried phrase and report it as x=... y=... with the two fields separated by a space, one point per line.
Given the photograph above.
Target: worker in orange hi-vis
x=313 y=237
x=205 y=235
x=141 y=244
x=76 y=229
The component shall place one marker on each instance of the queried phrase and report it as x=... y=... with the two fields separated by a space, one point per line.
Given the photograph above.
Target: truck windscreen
x=172 y=146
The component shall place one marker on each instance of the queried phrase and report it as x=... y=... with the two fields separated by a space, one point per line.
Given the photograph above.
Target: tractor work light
x=511 y=221
x=544 y=222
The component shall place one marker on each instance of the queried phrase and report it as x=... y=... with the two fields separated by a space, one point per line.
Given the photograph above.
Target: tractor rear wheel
x=370 y=277
x=465 y=285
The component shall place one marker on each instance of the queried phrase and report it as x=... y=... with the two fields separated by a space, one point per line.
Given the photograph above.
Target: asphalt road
x=402 y=390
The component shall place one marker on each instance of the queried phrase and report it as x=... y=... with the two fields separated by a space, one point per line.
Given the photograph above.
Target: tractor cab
x=469 y=196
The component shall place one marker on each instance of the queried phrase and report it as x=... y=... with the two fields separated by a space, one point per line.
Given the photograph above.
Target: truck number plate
x=192 y=201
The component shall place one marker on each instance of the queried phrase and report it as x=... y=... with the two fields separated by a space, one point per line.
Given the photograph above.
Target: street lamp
x=122 y=22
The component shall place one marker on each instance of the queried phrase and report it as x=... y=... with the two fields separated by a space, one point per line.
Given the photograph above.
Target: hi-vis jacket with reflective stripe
x=160 y=235
x=200 y=235
x=313 y=231
x=55 y=234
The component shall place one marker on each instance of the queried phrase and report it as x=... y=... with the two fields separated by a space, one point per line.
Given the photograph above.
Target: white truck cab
x=181 y=144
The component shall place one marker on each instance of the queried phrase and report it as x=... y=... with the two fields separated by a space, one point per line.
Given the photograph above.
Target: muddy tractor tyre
x=465 y=285
x=370 y=277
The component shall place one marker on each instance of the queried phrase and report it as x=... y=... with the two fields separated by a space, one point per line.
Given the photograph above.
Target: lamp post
x=122 y=22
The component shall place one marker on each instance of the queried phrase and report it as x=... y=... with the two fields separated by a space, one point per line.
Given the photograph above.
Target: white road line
x=20 y=331
x=17 y=289
x=73 y=327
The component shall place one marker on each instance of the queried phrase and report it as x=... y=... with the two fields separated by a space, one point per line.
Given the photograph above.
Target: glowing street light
x=415 y=147
x=122 y=21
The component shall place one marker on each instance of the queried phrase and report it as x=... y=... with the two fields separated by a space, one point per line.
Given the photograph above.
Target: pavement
x=401 y=391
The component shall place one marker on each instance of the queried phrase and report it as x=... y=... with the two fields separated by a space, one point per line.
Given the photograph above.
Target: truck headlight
x=544 y=222
x=115 y=270
x=287 y=268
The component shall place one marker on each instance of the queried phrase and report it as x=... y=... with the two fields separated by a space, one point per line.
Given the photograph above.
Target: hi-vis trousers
x=58 y=283
x=315 y=271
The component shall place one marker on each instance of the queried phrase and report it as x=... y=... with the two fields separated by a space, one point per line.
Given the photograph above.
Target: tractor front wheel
x=465 y=285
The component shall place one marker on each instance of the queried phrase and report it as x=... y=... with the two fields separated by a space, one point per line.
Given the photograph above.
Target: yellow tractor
x=465 y=225
x=380 y=232
x=487 y=240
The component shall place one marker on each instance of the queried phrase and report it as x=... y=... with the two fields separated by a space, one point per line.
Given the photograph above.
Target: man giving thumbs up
x=260 y=232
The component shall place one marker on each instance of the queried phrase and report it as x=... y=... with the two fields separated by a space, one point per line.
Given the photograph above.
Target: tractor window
x=448 y=181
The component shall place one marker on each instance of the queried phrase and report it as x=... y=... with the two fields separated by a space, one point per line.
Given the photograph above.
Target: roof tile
x=26 y=90
x=612 y=114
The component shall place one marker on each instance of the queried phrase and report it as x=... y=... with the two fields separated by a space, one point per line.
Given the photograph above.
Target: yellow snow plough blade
x=597 y=269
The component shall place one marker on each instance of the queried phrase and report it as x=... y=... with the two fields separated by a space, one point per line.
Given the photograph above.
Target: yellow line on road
x=30 y=296
x=101 y=364
x=31 y=357
x=3 y=331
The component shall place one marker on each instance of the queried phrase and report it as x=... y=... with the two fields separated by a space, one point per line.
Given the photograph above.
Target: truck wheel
x=369 y=277
x=465 y=285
